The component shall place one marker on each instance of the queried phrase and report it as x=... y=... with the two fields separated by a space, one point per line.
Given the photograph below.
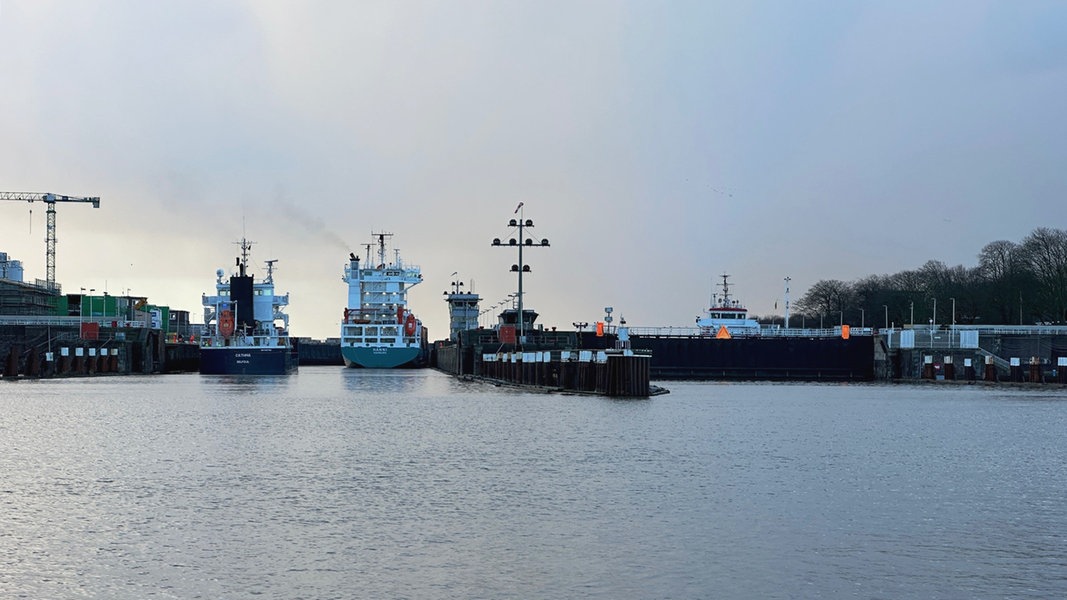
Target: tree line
x=1021 y=283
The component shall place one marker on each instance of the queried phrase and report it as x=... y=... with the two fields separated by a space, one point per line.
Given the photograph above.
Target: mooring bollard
x=11 y=364
x=1035 y=370
x=968 y=369
x=1016 y=370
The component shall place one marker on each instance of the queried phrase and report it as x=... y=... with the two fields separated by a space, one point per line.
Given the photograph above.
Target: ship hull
x=816 y=358
x=246 y=361
x=378 y=357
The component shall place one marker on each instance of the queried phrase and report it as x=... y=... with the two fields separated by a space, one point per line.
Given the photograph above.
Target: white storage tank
x=10 y=269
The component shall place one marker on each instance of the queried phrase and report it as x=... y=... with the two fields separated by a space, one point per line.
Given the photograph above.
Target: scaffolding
x=25 y=299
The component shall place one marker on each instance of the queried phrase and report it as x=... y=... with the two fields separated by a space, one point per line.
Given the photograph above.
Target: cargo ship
x=378 y=331
x=241 y=335
x=727 y=344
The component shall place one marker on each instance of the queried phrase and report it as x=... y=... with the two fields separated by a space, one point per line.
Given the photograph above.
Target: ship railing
x=262 y=341
x=362 y=316
x=69 y=321
x=763 y=332
x=391 y=272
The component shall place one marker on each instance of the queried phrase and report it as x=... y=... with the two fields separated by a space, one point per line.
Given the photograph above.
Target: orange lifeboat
x=409 y=325
x=226 y=323
x=400 y=314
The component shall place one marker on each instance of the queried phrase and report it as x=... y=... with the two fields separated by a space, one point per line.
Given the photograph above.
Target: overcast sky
x=656 y=145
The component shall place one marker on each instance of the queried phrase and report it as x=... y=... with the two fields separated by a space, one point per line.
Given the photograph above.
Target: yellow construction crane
x=50 y=237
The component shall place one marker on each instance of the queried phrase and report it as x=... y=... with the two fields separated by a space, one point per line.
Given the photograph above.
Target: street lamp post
x=520 y=268
x=934 y=319
x=953 y=336
x=862 y=317
x=81 y=312
x=91 y=291
x=787 y=280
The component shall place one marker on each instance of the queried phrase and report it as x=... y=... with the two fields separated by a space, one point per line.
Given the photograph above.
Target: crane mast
x=50 y=237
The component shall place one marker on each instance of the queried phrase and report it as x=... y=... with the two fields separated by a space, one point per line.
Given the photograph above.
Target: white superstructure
x=378 y=330
x=725 y=311
x=226 y=321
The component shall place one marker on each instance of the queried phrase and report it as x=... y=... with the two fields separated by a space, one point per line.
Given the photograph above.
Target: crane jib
x=50 y=239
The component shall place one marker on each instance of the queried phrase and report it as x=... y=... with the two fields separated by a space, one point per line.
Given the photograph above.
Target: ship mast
x=246 y=245
x=381 y=246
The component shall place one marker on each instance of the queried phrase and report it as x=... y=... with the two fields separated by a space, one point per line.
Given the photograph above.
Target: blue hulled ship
x=241 y=331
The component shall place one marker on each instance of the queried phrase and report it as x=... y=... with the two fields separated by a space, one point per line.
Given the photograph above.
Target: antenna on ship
x=270 y=270
x=246 y=245
x=381 y=246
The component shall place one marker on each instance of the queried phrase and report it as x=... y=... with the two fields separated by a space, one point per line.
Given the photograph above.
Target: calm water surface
x=341 y=483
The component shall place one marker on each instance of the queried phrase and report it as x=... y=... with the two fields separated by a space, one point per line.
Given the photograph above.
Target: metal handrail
x=763 y=332
x=67 y=321
x=283 y=341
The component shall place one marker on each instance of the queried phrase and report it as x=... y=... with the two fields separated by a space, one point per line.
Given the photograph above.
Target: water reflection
x=388 y=382
x=337 y=483
x=247 y=384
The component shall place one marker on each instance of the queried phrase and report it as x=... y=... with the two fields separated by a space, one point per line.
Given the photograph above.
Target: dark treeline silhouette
x=1013 y=283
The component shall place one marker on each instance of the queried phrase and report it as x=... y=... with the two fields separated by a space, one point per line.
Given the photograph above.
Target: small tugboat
x=727 y=317
x=378 y=331
x=241 y=336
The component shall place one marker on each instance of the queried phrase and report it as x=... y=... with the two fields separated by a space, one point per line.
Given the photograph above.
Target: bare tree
x=1002 y=267
x=1045 y=250
x=826 y=297
x=1008 y=276
x=1000 y=260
